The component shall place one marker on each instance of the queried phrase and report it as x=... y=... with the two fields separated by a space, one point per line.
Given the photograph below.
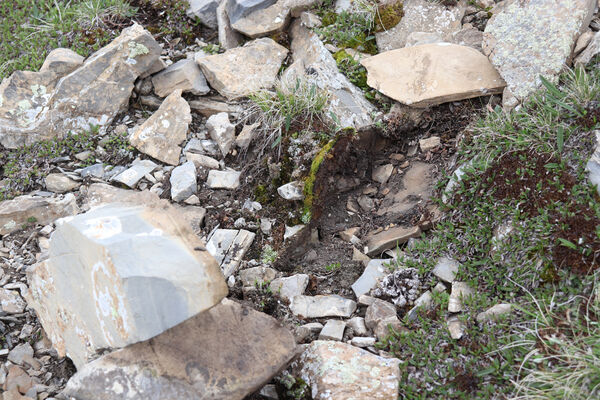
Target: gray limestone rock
x=237 y=9
x=322 y=306
x=292 y=191
x=183 y=181
x=225 y=353
x=333 y=330
x=288 y=288
x=135 y=173
x=221 y=131
x=229 y=246
x=229 y=179
x=205 y=11
x=593 y=165
x=446 y=269
x=60 y=183
x=184 y=75
x=374 y=272
x=120 y=274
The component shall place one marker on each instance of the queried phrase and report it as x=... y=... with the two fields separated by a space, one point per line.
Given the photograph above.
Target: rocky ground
x=299 y=200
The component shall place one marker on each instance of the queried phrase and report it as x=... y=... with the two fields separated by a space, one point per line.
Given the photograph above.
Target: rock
x=582 y=42
x=237 y=9
x=439 y=288
x=17 y=381
x=98 y=291
x=446 y=269
x=516 y=37
x=269 y=392
x=11 y=302
x=221 y=131
x=419 y=38
x=161 y=135
x=229 y=246
x=32 y=209
x=389 y=239
x=365 y=300
x=456 y=327
x=264 y=22
x=93 y=171
x=378 y=311
x=244 y=70
x=422 y=16
x=471 y=37
x=135 y=173
x=349 y=233
x=292 y=191
x=382 y=174
x=208 y=107
x=388 y=326
x=205 y=11
x=358 y=256
x=203 y=146
x=366 y=203
x=373 y=273
x=336 y=370
x=313 y=63
x=245 y=137
x=591 y=50
x=227 y=352
x=447 y=72
x=39 y=106
x=358 y=326
x=202 y=161
x=60 y=183
x=310 y=20
x=333 y=330
x=454 y=182
x=592 y=167
x=424 y=301
x=228 y=38
x=20 y=354
x=291 y=231
x=62 y=62
x=494 y=313
x=288 y=288
x=228 y=179
x=184 y=75
x=401 y=286
x=257 y=275
x=460 y=291
x=322 y=306
x=429 y=143
x=363 y=341
x=183 y=181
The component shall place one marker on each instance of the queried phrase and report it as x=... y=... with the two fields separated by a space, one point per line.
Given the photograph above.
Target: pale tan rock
x=185 y=75
x=241 y=71
x=246 y=135
x=60 y=183
x=336 y=370
x=429 y=144
x=228 y=38
x=455 y=327
x=389 y=239
x=444 y=72
x=264 y=22
x=592 y=49
x=225 y=353
x=583 y=41
x=495 y=312
x=460 y=291
x=200 y=160
x=62 y=61
x=208 y=107
x=161 y=134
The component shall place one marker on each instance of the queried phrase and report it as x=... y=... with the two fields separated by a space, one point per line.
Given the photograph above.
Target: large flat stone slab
x=322 y=306
x=244 y=70
x=335 y=370
x=529 y=38
x=393 y=237
x=431 y=74
x=225 y=353
x=117 y=275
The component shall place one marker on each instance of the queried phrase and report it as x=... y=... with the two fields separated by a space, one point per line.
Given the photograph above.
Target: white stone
x=221 y=131
x=322 y=306
x=288 y=288
x=363 y=341
x=292 y=191
x=228 y=179
x=333 y=330
x=375 y=270
x=135 y=173
x=446 y=269
x=494 y=313
x=183 y=181
x=460 y=291
x=229 y=246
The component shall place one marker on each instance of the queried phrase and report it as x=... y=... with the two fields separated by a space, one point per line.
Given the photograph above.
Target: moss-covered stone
x=388 y=16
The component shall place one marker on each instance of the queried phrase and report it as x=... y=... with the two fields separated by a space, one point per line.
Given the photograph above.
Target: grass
x=524 y=170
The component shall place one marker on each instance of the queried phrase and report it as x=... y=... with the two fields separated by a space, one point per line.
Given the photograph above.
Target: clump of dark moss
x=388 y=16
x=356 y=73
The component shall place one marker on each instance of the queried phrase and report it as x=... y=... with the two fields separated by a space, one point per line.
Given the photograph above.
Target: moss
x=309 y=182
x=388 y=16
x=261 y=194
x=356 y=73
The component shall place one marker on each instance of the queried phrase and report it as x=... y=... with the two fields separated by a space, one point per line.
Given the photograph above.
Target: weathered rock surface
x=237 y=9
x=531 y=38
x=228 y=38
x=292 y=191
x=161 y=135
x=336 y=370
x=229 y=246
x=119 y=274
x=322 y=306
x=333 y=330
x=422 y=16
x=244 y=70
x=373 y=273
x=591 y=50
x=315 y=64
x=446 y=269
x=460 y=291
x=229 y=179
x=36 y=106
x=495 y=312
x=445 y=72
x=224 y=353
x=221 y=131
x=391 y=238
x=184 y=75
x=593 y=165
x=289 y=287
x=265 y=21
x=60 y=183
x=132 y=175
x=29 y=208
x=183 y=181
x=11 y=302
x=205 y=11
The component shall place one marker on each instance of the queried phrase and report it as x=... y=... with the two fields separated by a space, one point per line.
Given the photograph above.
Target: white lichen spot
x=137 y=49
x=165 y=123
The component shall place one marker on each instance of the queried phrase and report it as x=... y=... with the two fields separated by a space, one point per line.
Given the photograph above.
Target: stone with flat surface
x=322 y=306
x=382 y=241
x=184 y=75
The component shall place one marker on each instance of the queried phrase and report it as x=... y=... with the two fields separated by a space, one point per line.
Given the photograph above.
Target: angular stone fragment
x=205 y=11
x=135 y=173
x=591 y=50
x=378 y=311
x=35 y=106
x=336 y=370
x=288 y=288
x=429 y=143
x=228 y=38
x=373 y=273
x=382 y=173
x=495 y=312
x=446 y=269
x=471 y=37
x=241 y=71
x=229 y=246
x=41 y=210
x=446 y=72
x=246 y=135
x=455 y=327
x=422 y=16
x=183 y=181
x=183 y=75
x=263 y=22
x=237 y=9
x=593 y=165
x=120 y=274
x=62 y=61
x=257 y=275
x=221 y=131
x=228 y=179
x=424 y=301
x=60 y=183
x=530 y=38
x=225 y=353
x=208 y=107
x=322 y=306
x=460 y=291
x=333 y=330
x=315 y=64
x=161 y=135
x=363 y=341
x=200 y=160
x=391 y=238
x=358 y=326
x=11 y=302
x=292 y=191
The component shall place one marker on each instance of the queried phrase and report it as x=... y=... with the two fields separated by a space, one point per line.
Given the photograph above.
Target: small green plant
x=333 y=267
x=212 y=48
x=269 y=255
